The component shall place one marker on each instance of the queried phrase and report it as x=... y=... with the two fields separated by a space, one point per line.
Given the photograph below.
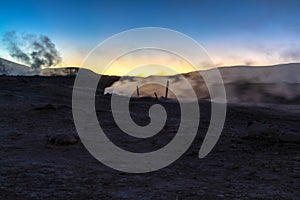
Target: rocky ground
x=41 y=156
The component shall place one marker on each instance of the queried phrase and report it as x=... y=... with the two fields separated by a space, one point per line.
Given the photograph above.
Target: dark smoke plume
x=36 y=51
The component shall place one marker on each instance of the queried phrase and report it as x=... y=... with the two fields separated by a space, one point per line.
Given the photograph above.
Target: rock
x=45 y=107
x=62 y=139
x=261 y=128
x=289 y=137
x=262 y=131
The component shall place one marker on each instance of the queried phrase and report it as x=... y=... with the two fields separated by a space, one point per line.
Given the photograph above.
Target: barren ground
x=257 y=156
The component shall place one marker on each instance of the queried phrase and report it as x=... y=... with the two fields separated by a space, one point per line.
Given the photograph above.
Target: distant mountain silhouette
x=284 y=73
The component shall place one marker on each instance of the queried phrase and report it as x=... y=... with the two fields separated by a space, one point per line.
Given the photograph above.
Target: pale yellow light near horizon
x=142 y=63
x=220 y=58
x=147 y=63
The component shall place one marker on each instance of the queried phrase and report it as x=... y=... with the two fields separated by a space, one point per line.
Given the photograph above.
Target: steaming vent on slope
x=273 y=84
x=178 y=87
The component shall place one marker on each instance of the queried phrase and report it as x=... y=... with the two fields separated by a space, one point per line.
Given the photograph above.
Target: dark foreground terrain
x=257 y=156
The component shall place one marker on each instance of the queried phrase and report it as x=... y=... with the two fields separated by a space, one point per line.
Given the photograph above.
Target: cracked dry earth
x=256 y=157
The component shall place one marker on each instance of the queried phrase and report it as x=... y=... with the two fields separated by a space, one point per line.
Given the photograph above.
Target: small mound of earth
x=271 y=132
x=62 y=139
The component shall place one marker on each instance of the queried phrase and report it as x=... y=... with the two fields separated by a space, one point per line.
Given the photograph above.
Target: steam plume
x=36 y=51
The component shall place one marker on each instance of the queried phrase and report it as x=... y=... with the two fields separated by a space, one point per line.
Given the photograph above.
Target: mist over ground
x=243 y=84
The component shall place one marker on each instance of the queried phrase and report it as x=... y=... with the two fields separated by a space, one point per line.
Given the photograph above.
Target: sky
x=241 y=32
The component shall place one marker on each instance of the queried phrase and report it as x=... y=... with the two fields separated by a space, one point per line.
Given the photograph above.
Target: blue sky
x=233 y=32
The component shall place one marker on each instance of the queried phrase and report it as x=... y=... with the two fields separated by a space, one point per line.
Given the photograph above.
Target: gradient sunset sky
x=241 y=32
